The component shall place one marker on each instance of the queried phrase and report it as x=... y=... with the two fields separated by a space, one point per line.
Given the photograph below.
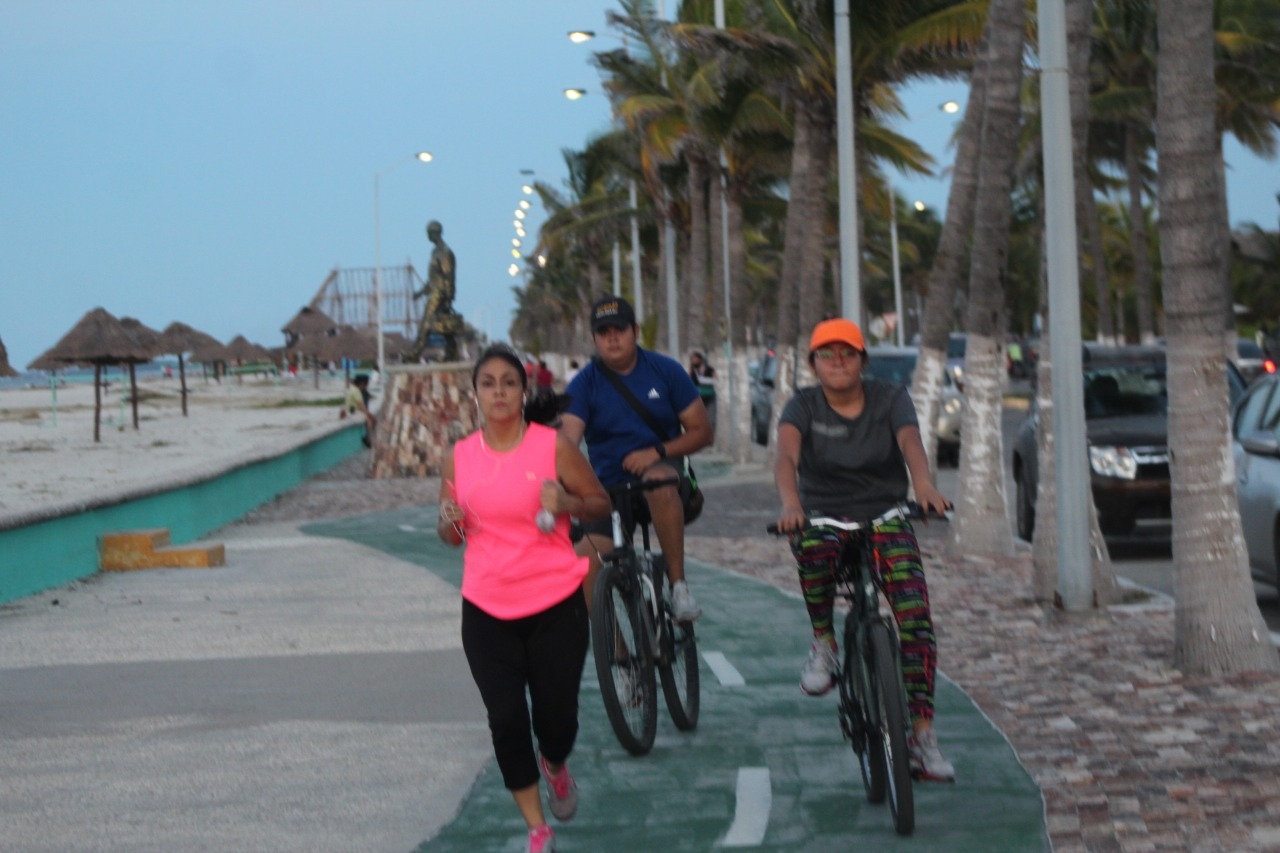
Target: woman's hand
x=554 y=498
x=932 y=501
x=791 y=519
x=451 y=512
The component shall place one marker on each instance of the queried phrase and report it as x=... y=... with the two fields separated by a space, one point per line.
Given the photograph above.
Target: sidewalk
x=282 y=702
x=310 y=696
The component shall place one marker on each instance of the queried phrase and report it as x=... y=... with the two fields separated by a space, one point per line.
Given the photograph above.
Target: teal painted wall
x=54 y=552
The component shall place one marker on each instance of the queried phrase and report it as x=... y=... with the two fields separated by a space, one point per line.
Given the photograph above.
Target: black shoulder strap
x=616 y=381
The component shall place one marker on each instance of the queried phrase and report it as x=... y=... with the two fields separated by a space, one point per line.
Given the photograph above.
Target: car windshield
x=1248 y=349
x=955 y=346
x=1125 y=390
x=891 y=368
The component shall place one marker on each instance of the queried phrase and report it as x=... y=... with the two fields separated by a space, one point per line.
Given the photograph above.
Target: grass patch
x=328 y=402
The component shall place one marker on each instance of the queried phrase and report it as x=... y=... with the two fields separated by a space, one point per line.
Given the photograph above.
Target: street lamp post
x=422 y=157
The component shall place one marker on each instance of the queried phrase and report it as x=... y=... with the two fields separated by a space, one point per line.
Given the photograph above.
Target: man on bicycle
x=623 y=445
x=845 y=448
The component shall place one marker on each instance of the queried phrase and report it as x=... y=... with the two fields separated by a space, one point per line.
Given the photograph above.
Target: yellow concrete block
x=150 y=549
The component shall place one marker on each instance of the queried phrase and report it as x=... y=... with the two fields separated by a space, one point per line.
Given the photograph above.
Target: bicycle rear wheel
x=857 y=717
x=621 y=629
x=889 y=699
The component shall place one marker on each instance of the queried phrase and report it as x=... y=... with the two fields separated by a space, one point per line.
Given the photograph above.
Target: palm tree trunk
x=715 y=253
x=1218 y=629
x=948 y=264
x=1138 y=237
x=695 y=267
x=813 y=240
x=982 y=522
x=737 y=267
x=1079 y=18
x=800 y=219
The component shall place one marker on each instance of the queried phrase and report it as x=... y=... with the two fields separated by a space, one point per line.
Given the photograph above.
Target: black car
x=1126 y=404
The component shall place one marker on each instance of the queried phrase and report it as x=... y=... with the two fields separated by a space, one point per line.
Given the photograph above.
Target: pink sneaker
x=562 y=791
x=542 y=840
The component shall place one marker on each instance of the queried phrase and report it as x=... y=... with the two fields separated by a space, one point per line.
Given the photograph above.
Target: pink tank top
x=511 y=569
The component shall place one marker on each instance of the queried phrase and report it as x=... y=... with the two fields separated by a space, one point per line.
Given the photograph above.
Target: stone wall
x=425 y=409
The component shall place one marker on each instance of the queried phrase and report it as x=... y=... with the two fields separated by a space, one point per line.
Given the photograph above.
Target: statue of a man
x=438 y=316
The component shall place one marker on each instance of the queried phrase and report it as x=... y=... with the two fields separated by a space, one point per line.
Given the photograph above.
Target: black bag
x=691 y=496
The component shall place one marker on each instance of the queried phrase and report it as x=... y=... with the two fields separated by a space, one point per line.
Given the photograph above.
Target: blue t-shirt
x=613 y=427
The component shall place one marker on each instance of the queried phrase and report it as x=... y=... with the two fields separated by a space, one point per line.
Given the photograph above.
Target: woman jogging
x=507 y=491
x=845 y=447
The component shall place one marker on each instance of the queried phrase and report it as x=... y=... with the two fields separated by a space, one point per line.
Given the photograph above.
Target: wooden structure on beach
x=347 y=295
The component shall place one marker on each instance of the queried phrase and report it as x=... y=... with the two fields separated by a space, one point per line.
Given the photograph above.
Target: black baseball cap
x=612 y=311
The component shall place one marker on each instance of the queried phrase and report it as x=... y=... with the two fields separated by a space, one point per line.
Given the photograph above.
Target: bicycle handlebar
x=909 y=510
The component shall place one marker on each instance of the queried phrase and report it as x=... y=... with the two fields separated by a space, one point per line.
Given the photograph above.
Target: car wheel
x=1026 y=510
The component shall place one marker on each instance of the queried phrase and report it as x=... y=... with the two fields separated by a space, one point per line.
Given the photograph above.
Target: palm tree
x=982 y=522
x=1218 y=629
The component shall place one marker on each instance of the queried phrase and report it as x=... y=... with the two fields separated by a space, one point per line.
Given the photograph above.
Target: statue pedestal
x=425 y=409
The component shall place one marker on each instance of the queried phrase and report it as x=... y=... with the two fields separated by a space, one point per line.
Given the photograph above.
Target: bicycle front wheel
x=858 y=717
x=621 y=629
x=678 y=663
x=891 y=703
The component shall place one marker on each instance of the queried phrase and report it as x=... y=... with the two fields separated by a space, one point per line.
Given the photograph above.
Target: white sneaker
x=684 y=606
x=926 y=759
x=816 y=677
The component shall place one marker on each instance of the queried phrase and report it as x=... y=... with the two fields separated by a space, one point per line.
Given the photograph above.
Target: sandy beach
x=49 y=461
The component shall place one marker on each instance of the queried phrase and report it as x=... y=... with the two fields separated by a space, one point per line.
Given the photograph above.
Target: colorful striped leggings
x=901 y=574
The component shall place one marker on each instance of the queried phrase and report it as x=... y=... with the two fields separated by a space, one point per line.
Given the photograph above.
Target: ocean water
x=84 y=376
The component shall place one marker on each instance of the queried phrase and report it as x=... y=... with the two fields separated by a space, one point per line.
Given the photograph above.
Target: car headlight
x=1113 y=462
x=952 y=406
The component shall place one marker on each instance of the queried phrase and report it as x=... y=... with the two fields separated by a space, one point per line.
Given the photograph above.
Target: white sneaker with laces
x=926 y=759
x=684 y=606
x=816 y=677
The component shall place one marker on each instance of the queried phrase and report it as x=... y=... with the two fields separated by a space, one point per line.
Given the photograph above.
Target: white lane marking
x=723 y=670
x=751 y=809
x=408 y=528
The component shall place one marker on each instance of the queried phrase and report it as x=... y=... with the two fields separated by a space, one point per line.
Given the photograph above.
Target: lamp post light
x=421 y=157
x=574 y=94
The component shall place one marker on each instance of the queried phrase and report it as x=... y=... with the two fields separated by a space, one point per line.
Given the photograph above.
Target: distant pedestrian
x=357 y=400
x=704 y=376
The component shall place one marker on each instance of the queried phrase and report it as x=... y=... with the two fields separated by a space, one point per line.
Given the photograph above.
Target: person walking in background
x=704 y=376
x=546 y=380
x=507 y=491
x=845 y=448
x=357 y=400
x=623 y=444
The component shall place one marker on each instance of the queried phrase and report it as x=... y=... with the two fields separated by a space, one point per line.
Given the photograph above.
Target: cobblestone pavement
x=1130 y=754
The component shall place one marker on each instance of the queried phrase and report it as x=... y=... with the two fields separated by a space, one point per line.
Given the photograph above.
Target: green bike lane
x=766 y=769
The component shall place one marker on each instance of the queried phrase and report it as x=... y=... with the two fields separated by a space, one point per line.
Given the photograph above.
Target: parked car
x=895 y=364
x=1251 y=360
x=1255 y=434
x=1126 y=425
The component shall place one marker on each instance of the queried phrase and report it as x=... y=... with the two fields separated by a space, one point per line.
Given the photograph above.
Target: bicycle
x=633 y=632
x=872 y=697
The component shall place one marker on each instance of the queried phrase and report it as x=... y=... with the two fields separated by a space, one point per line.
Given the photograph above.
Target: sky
x=212 y=162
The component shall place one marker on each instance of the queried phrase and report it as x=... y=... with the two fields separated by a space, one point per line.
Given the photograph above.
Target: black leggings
x=544 y=652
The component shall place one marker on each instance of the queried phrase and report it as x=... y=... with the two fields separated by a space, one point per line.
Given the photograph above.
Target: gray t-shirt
x=851 y=468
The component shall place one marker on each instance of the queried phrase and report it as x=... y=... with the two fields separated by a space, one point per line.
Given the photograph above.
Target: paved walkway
x=292 y=700
x=684 y=795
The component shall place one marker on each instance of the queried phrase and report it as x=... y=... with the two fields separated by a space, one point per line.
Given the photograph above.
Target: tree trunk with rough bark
x=982 y=524
x=948 y=263
x=1218 y=629
x=696 y=320
x=1138 y=238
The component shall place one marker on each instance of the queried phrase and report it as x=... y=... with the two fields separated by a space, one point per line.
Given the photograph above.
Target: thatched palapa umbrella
x=244 y=351
x=179 y=338
x=308 y=322
x=5 y=368
x=150 y=339
x=99 y=339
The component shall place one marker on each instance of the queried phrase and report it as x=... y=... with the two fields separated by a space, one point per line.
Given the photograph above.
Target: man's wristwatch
x=662 y=450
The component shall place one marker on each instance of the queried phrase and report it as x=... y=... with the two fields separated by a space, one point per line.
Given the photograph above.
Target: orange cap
x=838 y=331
